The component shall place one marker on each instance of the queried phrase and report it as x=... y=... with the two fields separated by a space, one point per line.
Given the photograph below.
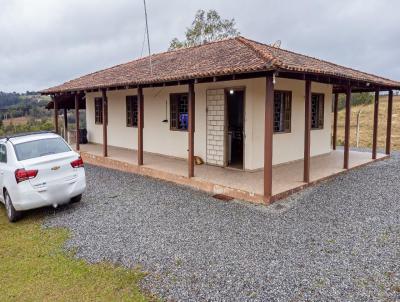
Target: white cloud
x=47 y=42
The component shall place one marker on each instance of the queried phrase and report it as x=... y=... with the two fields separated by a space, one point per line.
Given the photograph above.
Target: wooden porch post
x=65 y=124
x=77 y=122
x=307 y=131
x=335 y=116
x=140 y=125
x=268 y=137
x=389 y=122
x=55 y=102
x=105 y=121
x=347 y=129
x=191 y=128
x=375 y=130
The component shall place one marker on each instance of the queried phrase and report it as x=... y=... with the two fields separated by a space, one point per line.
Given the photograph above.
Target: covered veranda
x=65 y=103
x=286 y=178
x=257 y=61
x=267 y=185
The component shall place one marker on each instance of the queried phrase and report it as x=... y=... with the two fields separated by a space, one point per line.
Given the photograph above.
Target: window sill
x=283 y=132
x=179 y=130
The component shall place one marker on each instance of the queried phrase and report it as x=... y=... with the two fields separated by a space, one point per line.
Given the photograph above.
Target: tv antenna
x=277 y=44
x=148 y=37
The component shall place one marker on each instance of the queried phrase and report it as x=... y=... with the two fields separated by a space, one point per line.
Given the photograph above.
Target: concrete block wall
x=215 y=126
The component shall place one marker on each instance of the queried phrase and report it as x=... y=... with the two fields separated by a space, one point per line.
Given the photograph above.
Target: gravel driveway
x=336 y=241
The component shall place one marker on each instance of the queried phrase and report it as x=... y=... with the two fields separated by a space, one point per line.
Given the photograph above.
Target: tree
x=206 y=27
x=363 y=98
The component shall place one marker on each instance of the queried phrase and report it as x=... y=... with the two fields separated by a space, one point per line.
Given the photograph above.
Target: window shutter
x=288 y=112
x=282 y=111
x=179 y=111
x=131 y=111
x=98 y=110
x=128 y=112
x=173 y=112
x=134 y=111
x=321 y=112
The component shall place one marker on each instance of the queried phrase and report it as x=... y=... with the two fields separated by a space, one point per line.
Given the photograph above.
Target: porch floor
x=286 y=176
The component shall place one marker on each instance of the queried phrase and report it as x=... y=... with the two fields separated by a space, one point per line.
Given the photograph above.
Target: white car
x=38 y=170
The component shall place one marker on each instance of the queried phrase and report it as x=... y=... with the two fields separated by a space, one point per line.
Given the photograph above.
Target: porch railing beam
x=389 y=122
x=65 y=115
x=140 y=125
x=307 y=131
x=268 y=137
x=335 y=117
x=347 y=129
x=375 y=129
x=77 y=135
x=55 y=102
x=105 y=121
x=191 y=128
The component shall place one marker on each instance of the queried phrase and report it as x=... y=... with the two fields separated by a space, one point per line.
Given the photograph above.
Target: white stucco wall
x=290 y=146
x=158 y=138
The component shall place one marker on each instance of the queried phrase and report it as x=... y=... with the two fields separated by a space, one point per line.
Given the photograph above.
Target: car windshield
x=40 y=148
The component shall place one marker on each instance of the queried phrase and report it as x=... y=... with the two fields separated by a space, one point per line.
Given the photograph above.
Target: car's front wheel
x=12 y=214
x=76 y=198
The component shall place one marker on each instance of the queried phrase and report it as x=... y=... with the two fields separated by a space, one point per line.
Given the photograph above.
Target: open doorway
x=235 y=127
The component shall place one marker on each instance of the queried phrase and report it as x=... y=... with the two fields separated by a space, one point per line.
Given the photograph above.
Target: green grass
x=34 y=267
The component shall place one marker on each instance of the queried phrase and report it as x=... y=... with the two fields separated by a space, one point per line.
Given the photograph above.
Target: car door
x=3 y=166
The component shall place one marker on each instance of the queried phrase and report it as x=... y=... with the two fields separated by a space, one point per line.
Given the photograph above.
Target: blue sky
x=47 y=42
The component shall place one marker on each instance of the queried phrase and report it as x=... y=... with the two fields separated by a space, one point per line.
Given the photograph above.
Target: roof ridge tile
x=267 y=57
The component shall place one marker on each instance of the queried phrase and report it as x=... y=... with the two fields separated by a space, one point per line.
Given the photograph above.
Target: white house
x=257 y=115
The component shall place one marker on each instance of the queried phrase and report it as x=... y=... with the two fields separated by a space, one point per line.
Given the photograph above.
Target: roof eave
x=335 y=78
x=134 y=84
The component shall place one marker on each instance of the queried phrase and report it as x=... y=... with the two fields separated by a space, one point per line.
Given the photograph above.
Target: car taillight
x=22 y=174
x=78 y=163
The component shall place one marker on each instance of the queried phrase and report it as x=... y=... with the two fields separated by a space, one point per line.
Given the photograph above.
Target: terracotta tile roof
x=224 y=57
x=291 y=61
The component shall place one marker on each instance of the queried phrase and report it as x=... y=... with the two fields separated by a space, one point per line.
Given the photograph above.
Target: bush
x=31 y=126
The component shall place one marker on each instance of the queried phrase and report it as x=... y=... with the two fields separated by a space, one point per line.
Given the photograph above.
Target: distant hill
x=9 y=99
x=19 y=105
x=25 y=112
x=366 y=124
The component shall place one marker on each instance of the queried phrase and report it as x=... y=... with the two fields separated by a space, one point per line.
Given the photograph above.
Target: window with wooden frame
x=179 y=117
x=131 y=111
x=282 y=111
x=317 y=111
x=98 y=111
